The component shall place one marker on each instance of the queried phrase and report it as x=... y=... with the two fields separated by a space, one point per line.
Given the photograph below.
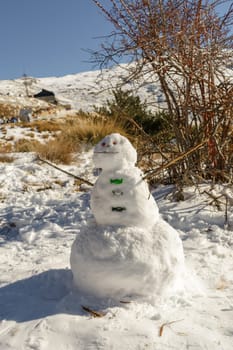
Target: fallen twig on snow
x=125 y=302
x=93 y=312
x=226 y=222
x=66 y=172
x=215 y=199
x=166 y=324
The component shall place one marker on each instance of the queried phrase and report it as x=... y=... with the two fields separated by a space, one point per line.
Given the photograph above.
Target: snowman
x=120 y=195
x=128 y=251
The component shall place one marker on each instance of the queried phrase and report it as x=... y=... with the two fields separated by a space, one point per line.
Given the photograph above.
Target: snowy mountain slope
x=41 y=213
x=83 y=90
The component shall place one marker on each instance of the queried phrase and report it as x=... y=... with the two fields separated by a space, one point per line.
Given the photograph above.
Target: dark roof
x=44 y=93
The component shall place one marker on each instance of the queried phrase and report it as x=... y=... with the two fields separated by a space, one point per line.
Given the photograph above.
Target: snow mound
x=128 y=262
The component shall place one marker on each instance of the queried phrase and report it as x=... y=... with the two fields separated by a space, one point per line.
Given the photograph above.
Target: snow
x=40 y=310
x=117 y=146
x=128 y=263
x=42 y=213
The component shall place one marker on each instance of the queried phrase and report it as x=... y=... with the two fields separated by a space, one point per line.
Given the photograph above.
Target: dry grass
x=9 y=138
x=30 y=134
x=73 y=134
x=81 y=131
x=25 y=145
x=56 y=151
x=4 y=158
x=5 y=148
x=3 y=130
x=8 y=109
x=43 y=125
x=45 y=136
x=222 y=283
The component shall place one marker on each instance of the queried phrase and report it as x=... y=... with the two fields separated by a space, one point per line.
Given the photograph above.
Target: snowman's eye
x=114 y=142
x=103 y=144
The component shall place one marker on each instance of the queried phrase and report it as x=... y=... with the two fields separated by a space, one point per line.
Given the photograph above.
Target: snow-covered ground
x=42 y=210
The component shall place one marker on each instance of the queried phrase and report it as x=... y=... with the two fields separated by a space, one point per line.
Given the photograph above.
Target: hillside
x=82 y=90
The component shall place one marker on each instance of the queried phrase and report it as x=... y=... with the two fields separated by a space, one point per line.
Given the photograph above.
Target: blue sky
x=48 y=37
x=44 y=38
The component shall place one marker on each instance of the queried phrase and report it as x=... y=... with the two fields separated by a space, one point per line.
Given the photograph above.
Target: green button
x=116 y=181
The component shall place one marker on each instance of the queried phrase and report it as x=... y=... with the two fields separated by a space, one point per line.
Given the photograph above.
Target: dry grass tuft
x=4 y=158
x=43 y=125
x=3 y=130
x=9 y=138
x=56 y=151
x=45 y=136
x=74 y=134
x=30 y=134
x=7 y=109
x=5 y=147
x=222 y=283
x=70 y=135
x=25 y=145
x=80 y=131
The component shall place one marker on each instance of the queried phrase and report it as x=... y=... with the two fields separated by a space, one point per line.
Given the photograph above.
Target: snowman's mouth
x=105 y=152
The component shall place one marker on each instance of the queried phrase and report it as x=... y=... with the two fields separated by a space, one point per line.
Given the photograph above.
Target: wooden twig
x=140 y=128
x=66 y=172
x=125 y=302
x=226 y=223
x=93 y=312
x=161 y=329
x=215 y=199
x=174 y=161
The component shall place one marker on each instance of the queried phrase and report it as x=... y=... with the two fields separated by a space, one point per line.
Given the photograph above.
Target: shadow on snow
x=39 y=296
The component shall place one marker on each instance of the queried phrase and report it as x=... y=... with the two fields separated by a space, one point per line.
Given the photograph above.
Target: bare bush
x=187 y=46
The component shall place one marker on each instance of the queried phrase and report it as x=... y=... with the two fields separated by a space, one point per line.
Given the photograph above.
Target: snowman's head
x=114 y=151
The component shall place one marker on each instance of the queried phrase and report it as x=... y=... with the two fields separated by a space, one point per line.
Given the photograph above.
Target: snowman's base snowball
x=119 y=262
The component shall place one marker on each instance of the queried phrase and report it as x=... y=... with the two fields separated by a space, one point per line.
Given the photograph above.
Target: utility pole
x=26 y=83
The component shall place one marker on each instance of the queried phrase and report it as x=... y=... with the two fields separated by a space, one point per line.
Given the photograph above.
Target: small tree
x=125 y=106
x=187 y=45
